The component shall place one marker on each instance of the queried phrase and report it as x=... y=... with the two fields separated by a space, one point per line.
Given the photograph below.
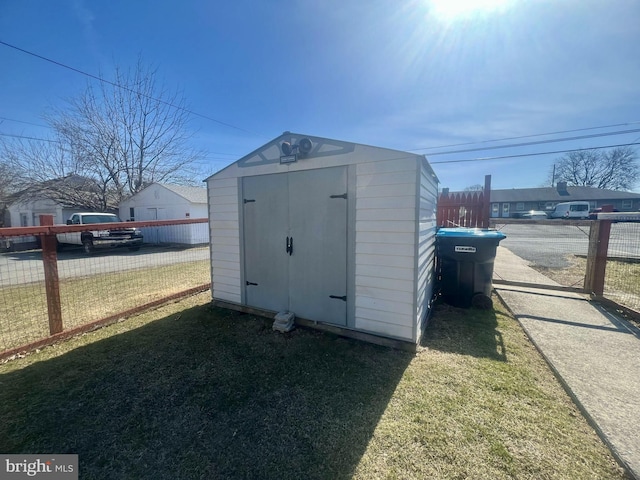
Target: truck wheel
x=87 y=245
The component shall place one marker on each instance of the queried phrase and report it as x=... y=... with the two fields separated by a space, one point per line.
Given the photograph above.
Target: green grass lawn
x=190 y=391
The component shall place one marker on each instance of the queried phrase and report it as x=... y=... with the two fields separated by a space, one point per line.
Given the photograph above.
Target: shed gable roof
x=324 y=152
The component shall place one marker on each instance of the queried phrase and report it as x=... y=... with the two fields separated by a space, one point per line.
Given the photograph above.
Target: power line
x=29 y=138
x=100 y=79
x=522 y=155
x=24 y=137
x=22 y=121
x=539 y=142
x=526 y=136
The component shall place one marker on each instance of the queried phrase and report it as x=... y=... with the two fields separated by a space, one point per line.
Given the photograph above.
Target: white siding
x=425 y=277
x=385 y=232
x=224 y=229
x=156 y=202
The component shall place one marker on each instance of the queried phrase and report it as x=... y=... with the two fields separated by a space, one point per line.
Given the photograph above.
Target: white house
x=169 y=202
x=60 y=197
x=340 y=234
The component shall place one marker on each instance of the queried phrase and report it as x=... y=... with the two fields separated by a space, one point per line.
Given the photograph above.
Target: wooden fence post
x=597 y=255
x=51 y=281
x=486 y=206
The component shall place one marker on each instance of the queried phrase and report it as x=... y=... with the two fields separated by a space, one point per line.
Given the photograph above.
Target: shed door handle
x=289 y=245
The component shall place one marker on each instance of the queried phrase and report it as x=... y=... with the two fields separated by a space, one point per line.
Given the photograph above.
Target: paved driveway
x=549 y=245
x=26 y=267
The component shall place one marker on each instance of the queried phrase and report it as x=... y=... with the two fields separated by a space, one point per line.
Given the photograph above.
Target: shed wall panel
x=383 y=328
x=385 y=293
x=425 y=277
x=225 y=240
x=385 y=233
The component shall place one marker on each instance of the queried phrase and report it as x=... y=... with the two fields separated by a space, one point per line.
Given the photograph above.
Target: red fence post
x=51 y=282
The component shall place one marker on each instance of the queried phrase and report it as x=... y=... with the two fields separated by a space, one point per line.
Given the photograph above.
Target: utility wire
x=29 y=138
x=481 y=159
x=117 y=85
x=22 y=121
x=522 y=155
x=538 y=142
x=526 y=136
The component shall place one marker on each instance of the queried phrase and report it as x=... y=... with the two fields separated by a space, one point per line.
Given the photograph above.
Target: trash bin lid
x=470 y=233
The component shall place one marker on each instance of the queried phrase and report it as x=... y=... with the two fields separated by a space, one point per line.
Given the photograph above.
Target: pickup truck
x=94 y=237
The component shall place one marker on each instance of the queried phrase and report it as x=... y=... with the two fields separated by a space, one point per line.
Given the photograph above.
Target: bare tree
x=47 y=168
x=474 y=188
x=131 y=134
x=120 y=135
x=615 y=169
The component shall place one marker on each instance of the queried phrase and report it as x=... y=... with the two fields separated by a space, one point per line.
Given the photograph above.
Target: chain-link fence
x=104 y=284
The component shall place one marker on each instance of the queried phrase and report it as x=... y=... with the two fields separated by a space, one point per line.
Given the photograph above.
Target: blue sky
x=399 y=74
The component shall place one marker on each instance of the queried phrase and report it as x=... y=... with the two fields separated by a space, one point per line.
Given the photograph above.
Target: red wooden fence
x=466 y=209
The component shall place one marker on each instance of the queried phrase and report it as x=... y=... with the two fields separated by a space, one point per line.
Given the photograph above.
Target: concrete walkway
x=596 y=355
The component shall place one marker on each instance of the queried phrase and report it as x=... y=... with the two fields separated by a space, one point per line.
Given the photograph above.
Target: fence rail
x=47 y=295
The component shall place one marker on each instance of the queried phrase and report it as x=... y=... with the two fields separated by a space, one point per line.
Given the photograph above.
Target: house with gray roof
x=512 y=202
x=163 y=201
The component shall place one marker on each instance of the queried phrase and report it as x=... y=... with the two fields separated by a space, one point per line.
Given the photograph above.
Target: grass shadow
x=465 y=331
x=206 y=393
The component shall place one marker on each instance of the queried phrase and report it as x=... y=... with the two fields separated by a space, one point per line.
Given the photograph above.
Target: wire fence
x=101 y=286
x=622 y=276
x=560 y=250
x=557 y=250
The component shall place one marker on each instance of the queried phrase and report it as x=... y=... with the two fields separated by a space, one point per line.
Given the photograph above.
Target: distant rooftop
x=192 y=194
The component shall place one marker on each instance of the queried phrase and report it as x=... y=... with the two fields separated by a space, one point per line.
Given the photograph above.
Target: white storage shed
x=162 y=201
x=340 y=234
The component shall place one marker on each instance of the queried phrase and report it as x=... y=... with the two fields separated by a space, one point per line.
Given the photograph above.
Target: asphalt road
x=550 y=245
x=18 y=268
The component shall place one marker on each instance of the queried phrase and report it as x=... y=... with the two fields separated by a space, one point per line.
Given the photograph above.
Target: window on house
x=627 y=204
x=132 y=214
x=495 y=207
x=520 y=206
x=24 y=222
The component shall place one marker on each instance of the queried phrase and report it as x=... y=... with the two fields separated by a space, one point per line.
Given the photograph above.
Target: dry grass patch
x=621 y=284
x=23 y=309
x=190 y=391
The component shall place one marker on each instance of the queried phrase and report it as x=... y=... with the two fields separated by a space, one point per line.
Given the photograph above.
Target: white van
x=570 y=210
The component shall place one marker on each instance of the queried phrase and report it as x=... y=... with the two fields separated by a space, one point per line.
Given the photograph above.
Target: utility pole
x=553 y=175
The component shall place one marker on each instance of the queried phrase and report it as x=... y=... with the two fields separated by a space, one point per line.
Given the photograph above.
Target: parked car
x=576 y=210
x=94 y=237
x=535 y=215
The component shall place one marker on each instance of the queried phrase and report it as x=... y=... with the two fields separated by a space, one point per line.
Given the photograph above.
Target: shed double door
x=295 y=243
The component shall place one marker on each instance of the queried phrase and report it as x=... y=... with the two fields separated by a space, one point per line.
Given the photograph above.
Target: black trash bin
x=465 y=265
